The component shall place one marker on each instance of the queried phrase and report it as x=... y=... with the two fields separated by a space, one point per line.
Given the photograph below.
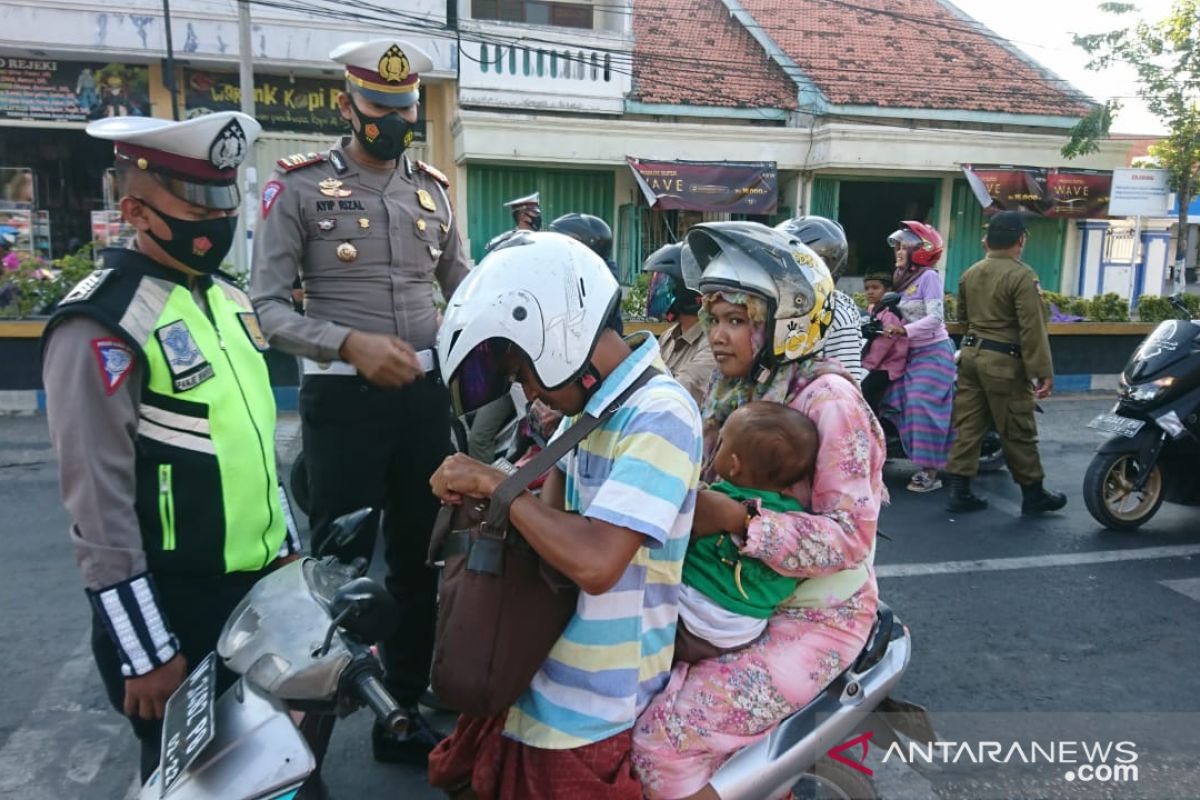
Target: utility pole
x=170 y=66
x=246 y=78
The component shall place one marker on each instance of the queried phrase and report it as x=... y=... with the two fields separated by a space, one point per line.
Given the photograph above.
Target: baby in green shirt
x=725 y=598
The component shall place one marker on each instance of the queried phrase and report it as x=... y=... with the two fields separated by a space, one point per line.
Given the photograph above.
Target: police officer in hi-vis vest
x=369 y=232
x=162 y=416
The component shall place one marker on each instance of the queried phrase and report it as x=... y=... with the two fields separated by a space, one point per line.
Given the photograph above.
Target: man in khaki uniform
x=369 y=232
x=1006 y=346
x=684 y=345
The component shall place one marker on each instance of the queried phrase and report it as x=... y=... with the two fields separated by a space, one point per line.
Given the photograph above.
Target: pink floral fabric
x=713 y=708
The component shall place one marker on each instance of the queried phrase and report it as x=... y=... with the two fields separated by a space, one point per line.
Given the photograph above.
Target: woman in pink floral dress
x=766 y=307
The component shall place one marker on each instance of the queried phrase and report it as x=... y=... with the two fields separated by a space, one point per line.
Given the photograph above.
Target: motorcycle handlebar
x=379 y=700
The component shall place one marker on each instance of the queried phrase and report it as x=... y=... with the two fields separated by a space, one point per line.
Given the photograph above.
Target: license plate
x=1117 y=425
x=188 y=722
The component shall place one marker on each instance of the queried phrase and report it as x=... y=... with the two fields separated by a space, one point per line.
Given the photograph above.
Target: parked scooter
x=301 y=642
x=991 y=454
x=1154 y=430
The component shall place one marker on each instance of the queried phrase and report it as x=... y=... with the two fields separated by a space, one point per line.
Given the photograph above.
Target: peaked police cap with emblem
x=384 y=71
x=197 y=158
x=528 y=201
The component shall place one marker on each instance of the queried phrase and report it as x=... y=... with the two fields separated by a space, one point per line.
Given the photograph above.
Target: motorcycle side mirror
x=889 y=300
x=347 y=528
x=365 y=609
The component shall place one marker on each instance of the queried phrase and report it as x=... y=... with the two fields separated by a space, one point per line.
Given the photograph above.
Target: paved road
x=1007 y=614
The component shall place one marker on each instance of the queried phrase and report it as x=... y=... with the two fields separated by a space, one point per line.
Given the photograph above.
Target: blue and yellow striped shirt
x=638 y=470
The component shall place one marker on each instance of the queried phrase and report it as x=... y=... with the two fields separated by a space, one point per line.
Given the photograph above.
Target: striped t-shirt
x=844 y=340
x=639 y=471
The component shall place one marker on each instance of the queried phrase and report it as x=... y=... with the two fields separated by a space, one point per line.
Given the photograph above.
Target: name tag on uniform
x=188 y=366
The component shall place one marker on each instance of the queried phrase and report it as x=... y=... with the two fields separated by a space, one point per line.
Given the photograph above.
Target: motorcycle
x=300 y=640
x=804 y=753
x=991 y=453
x=1154 y=430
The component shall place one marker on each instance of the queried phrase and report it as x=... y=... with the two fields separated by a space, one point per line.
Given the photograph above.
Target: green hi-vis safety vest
x=207 y=494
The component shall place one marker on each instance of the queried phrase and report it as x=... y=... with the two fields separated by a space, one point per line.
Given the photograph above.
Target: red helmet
x=923 y=243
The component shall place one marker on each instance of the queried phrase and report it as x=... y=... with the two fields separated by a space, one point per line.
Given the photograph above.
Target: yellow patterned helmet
x=750 y=257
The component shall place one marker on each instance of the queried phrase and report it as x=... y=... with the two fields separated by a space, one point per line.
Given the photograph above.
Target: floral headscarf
x=725 y=395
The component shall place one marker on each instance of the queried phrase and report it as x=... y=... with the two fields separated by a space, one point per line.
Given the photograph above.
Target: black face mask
x=200 y=244
x=384 y=138
x=535 y=220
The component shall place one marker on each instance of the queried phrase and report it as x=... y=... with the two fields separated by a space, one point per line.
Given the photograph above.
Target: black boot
x=961 y=497
x=1036 y=500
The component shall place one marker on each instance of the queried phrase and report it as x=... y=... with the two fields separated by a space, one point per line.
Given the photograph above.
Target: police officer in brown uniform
x=1006 y=347
x=369 y=232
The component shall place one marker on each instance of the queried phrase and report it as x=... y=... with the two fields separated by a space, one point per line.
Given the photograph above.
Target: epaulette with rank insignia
x=434 y=173
x=298 y=160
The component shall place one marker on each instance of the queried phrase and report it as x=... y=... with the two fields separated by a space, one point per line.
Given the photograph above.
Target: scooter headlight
x=1145 y=392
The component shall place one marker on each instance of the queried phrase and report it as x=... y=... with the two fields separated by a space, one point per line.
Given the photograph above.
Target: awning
x=741 y=187
x=1039 y=191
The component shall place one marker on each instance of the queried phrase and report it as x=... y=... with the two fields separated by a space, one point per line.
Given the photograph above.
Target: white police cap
x=197 y=158
x=384 y=71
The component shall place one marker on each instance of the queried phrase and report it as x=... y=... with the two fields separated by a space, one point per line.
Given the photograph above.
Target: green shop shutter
x=966 y=229
x=825 y=197
x=968 y=224
x=1044 y=250
x=563 y=191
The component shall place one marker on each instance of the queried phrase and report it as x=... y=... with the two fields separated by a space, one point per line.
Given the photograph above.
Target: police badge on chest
x=188 y=366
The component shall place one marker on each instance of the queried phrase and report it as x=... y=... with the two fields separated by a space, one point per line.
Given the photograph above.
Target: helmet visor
x=484 y=375
x=903 y=238
x=660 y=296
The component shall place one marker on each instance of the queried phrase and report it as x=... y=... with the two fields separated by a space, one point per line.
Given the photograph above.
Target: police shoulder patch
x=86 y=287
x=298 y=160
x=434 y=173
x=116 y=361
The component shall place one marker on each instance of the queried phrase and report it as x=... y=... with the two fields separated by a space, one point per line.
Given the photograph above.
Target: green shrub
x=1109 y=307
x=35 y=286
x=860 y=300
x=1152 y=308
x=950 y=307
x=633 y=300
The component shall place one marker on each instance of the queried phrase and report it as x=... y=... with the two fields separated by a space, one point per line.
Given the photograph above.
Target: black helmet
x=668 y=297
x=592 y=231
x=824 y=236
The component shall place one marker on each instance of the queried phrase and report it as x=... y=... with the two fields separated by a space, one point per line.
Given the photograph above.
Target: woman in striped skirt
x=919 y=403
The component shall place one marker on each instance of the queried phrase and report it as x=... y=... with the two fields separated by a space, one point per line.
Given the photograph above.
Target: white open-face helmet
x=543 y=293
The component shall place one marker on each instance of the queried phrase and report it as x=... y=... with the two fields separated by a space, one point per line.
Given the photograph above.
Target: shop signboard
x=738 y=187
x=71 y=91
x=281 y=103
x=1141 y=193
x=1055 y=193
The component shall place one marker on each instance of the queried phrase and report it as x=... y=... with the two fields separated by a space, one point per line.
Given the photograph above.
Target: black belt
x=1008 y=348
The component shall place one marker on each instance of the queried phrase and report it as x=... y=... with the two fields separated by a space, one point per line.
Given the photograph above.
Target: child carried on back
x=725 y=598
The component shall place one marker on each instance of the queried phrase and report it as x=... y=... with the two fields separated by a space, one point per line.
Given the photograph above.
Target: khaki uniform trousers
x=992 y=389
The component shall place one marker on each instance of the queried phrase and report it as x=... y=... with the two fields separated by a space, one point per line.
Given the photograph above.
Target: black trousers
x=368 y=446
x=196 y=608
x=874 y=387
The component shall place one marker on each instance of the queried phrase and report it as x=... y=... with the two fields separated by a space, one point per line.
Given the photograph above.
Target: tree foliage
x=1166 y=57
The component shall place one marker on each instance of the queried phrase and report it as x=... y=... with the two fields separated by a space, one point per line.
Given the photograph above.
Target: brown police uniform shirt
x=999 y=299
x=367 y=244
x=689 y=358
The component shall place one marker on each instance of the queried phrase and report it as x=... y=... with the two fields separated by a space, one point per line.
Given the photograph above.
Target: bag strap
x=518 y=482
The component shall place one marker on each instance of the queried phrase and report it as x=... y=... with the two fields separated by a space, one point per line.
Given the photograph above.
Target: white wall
x=206 y=31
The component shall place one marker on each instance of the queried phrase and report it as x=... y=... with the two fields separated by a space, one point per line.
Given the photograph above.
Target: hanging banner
x=281 y=103
x=740 y=187
x=71 y=91
x=1037 y=191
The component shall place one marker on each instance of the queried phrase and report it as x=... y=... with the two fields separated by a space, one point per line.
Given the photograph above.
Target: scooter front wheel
x=1108 y=491
x=831 y=780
